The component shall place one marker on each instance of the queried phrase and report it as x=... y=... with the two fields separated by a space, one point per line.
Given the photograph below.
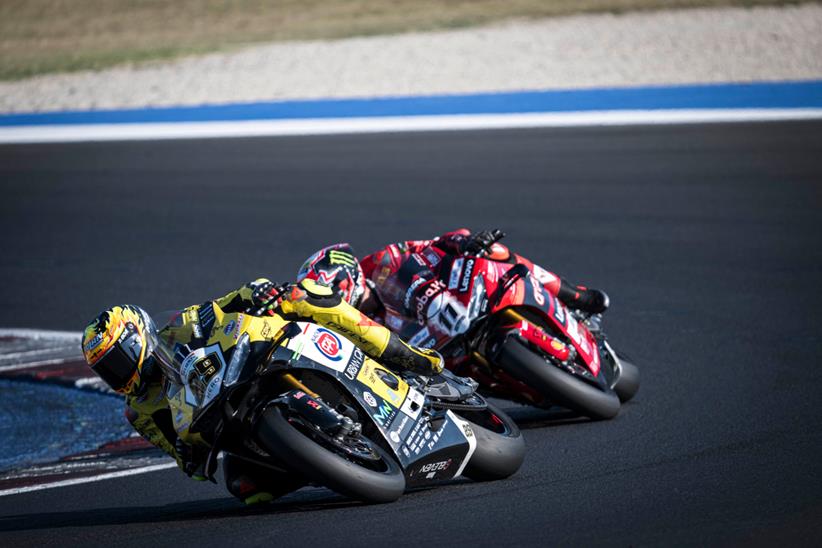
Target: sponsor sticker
x=369 y=399
x=466 y=275
x=202 y=372
x=410 y=292
x=328 y=344
x=393 y=321
x=434 y=288
x=383 y=383
x=321 y=346
x=559 y=312
x=538 y=296
x=454 y=278
x=354 y=364
x=419 y=337
x=385 y=414
x=93 y=343
x=229 y=327
x=413 y=404
x=435 y=466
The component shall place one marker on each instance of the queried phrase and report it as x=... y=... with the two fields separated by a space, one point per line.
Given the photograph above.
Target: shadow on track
x=528 y=417
x=224 y=507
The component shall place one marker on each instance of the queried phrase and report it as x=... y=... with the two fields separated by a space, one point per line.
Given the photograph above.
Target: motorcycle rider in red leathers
x=403 y=281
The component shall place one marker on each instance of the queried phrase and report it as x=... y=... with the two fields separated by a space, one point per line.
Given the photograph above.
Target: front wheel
x=373 y=477
x=556 y=384
x=500 y=447
x=626 y=384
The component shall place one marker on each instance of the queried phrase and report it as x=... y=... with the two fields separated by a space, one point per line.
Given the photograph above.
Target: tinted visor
x=116 y=368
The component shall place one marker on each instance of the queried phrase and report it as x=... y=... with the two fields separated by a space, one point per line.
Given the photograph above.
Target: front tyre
x=626 y=384
x=373 y=482
x=555 y=384
x=500 y=446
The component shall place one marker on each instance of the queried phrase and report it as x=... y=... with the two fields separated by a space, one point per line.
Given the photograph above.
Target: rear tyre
x=384 y=482
x=500 y=446
x=627 y=381
x=555 y=384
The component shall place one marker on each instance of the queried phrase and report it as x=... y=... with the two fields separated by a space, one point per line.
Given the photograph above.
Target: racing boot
x=401 y=355
x=247 y=491
x=255 y=484
x=582 y=298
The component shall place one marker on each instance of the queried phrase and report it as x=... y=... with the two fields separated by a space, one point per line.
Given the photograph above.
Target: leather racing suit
x=148 y=410
x=407 y=278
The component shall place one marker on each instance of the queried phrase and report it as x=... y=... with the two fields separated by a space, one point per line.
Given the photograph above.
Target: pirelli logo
x=341 y=257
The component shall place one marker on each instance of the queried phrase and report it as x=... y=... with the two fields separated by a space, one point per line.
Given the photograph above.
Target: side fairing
x=437 y=444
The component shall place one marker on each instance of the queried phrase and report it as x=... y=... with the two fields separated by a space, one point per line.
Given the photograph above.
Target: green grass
x=43 y=36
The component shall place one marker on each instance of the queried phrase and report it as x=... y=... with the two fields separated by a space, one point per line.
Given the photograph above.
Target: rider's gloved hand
x=191 y=466
x=482 y=241
x=436 y=363
x=266 y=298
x=403 y=356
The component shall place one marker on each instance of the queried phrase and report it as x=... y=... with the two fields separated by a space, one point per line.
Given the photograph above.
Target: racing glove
x=481 y=242
x=267 y=297
x=401 y=355
x=188 y=462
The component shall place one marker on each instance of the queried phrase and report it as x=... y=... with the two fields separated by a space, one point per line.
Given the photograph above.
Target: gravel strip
x=668 y=47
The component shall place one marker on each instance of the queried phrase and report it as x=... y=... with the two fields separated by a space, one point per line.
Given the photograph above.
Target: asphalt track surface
x=707 y=238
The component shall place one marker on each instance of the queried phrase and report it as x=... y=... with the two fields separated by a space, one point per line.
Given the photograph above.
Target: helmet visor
x=116 y=368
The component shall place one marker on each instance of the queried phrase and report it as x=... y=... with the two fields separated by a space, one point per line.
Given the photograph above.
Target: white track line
x=89 y=479
x=331 y=126
x=40 y=351
x=39 y=333
x=56 y=361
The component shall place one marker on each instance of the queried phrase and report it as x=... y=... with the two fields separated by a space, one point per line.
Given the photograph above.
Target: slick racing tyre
x=500 y=446
x=376 y=479
x=555 y=384
x=626 y=384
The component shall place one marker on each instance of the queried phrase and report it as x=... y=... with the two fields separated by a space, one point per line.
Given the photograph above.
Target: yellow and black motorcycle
x=306 y=401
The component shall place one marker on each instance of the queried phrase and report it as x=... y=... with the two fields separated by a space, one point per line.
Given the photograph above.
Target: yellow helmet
x=118 y=344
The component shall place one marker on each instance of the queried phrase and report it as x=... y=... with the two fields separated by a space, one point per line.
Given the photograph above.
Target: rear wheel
x=357 y=468
x=555 y=384
x=500 y=447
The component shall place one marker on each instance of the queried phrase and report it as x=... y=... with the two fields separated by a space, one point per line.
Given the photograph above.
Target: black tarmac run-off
x=707 y=238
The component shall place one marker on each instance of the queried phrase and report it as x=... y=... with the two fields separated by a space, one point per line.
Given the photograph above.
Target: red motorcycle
x=523 y=343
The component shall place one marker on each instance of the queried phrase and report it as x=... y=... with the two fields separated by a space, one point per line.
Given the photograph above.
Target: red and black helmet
x=336 y=266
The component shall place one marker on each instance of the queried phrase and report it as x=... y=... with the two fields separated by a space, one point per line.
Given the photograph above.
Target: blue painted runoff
x=42 y=422
x=804 y=94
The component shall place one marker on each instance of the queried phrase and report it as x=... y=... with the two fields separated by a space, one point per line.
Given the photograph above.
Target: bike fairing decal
x=454 y=278
x=466 y=275
x=419 y=337
x=327 y=343
x=322 y=346
x=412 y=406
x=206 y=365
x=370 y=375
x=354 y=364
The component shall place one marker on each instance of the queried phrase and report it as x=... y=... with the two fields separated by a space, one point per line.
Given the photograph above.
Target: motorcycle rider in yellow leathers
x=123 y=346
